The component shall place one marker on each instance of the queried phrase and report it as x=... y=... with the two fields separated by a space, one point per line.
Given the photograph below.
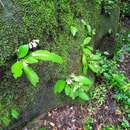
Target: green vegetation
x=125 y=8
x=74 y=86
x=62 y=29
x=7 y=114
x=24 y=59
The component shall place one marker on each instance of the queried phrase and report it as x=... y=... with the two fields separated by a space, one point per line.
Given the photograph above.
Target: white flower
x=106 y=53
x=69 y=81
x=34 y=43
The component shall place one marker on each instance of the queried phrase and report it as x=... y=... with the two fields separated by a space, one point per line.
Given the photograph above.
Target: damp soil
x=73 y=117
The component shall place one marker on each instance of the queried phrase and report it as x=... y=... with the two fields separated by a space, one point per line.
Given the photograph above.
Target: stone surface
x=50 y=22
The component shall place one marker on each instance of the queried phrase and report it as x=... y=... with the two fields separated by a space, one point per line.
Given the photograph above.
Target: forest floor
x=73 y=117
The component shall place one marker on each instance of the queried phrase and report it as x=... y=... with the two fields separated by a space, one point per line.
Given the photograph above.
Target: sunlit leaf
x=31 y=75
x=87 y=40
x=22 y=51
x=14 y=113
x=95 y=68
x=83 y=96
x=45 y=55
x=59 y=86
x=96 y=57
x=16 y=69
x=89 y=29
x=87 y=51
x=31 y=60
x=67 y=90
x=84 y=80
x=74 y=30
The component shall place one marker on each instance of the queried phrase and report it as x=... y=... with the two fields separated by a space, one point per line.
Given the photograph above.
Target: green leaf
x=84 y=23
x=74 y=30
x=84 y=62
x=87 y=40
x=89 y=29
x=87 y=51
x=59 y=86
x=95 y=68
x=16 y=69
x=67 y=90
x=5 y=120
x=22 y=51
x=83 y=96
x=31 y=60
x=41 y=129
x=56 y=58
x=84 y=80
x=125 y=124
x=96 y=57
x=73 y=94
x=47 y=56
x=31 y=75
x=14 y=113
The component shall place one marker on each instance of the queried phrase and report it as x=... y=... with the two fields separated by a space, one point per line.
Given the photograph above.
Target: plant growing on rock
x=7 y=114
x=25 y=58
x=74 y=86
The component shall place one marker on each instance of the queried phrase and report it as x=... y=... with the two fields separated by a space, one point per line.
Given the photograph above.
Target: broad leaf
x=87 y=51
x=89 y=29
x=74 y=30
x=59 y=86
x=67 y=90
x=84 y=62
x=96 y=57
x=87 y=40
x=14 y=113
x=95 y=68
x=47 y=56
x=31 y=75
x=16 y=69
x=22 y=51
x=83 y=96
x=56 y=58
x=31 y=60
x=73 y=94
x=84 y=80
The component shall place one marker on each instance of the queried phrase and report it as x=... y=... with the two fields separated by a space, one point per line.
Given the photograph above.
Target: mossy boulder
x=50 y=22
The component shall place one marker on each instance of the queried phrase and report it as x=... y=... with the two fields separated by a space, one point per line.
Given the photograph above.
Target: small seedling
x=25 y=58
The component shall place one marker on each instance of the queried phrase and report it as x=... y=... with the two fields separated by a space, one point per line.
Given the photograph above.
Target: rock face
x=50 y=22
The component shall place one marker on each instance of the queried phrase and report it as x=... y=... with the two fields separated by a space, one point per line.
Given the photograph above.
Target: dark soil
x=72 y=117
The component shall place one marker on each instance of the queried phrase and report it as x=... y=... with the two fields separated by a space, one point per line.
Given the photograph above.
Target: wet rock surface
x=73 y=117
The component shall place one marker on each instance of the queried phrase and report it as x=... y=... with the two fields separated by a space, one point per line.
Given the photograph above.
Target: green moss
x=49 y=21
